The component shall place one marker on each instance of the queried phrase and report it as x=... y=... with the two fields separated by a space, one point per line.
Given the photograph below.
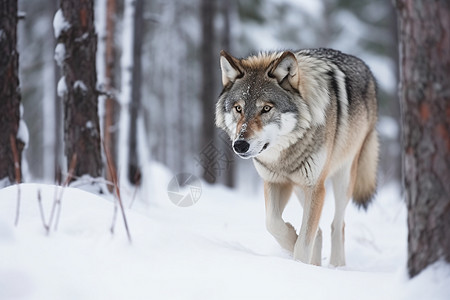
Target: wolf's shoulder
x=345 y=62
x=328 y=54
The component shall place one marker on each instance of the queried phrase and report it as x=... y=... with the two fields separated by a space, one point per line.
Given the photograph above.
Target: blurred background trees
x=179 y=85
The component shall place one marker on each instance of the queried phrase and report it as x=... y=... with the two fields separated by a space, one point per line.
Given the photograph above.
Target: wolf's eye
x=238 y=108
x=266 y=108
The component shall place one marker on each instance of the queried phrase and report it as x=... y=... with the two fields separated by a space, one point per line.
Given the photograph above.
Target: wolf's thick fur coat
x=304 y=117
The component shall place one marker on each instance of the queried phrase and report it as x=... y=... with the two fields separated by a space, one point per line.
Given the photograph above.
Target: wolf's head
x=260 y=103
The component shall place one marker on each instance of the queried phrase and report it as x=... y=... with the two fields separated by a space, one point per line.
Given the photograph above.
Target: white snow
x=60 y=24
x=78 y=84
x=216 y=249
x=62 y=87
x=22 y=133
x=431 y=283
x=60 y=54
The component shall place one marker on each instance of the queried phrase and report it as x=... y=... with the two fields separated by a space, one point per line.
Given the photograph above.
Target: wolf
x=303 y=117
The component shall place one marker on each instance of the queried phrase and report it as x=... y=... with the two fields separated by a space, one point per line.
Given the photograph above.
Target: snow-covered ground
x=216 y=249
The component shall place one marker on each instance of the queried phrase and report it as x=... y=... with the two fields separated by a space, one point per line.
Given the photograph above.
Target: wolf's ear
x=230 y=68
x=286 y=66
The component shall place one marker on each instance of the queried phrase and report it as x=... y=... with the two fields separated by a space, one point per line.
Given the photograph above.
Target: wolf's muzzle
x=241 y=146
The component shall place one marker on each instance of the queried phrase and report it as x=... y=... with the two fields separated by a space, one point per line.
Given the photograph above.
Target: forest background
x=179 y=80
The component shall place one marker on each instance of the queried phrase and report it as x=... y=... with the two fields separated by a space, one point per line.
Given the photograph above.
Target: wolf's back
x=360 y=84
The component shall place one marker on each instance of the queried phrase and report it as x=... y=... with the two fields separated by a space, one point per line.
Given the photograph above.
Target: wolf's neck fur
x=298 y=156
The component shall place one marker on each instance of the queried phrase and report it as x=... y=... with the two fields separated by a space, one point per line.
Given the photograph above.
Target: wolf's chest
x=301 y=171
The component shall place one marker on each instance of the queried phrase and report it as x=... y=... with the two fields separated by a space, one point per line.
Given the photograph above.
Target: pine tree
x=208 y=63
x=10 y=145
x=424 y=32
x=74 y=26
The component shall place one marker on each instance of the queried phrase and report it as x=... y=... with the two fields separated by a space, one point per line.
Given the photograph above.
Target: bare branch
x=57 y=200
x=41 y=209
x=113 y=173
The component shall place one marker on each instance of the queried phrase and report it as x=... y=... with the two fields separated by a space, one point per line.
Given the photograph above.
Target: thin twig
x=18 y=206
x=66 y=183
x=57 y=200
x=137 y=180
x=58 y=210
x=134 y=196
x=12 y=141
x=113 y=224
x=41 y=209
x=113 y=173
x=111 y=167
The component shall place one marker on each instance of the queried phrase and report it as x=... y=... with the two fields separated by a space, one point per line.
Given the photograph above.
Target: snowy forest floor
x=216 y=249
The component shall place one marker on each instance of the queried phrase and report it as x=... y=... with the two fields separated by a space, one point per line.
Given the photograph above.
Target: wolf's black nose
x=241 y=146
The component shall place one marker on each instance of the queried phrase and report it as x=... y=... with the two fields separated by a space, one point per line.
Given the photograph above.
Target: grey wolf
x=304 y=117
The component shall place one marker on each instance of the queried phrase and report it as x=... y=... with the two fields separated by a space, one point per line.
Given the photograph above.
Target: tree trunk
x=10 y=146
x=209 y=63
x=134 y=173
x=227 y=6
x=81 y=122
x=424 y=32
x=110 y=123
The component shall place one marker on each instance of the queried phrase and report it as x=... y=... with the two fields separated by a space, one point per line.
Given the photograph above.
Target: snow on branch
x=60 y=24
x=62 y=87
x=60 y=54
x=80 y=85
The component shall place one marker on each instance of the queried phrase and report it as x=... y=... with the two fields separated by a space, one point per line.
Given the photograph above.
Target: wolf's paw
x=302 y=252
x=292 y=236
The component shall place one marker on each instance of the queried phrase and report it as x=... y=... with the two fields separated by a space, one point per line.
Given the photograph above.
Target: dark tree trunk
x=209 y=67
x=424 y=32
x=10 y=146
x=227 y=7
x=81 y=124
x=110 y=123
x=134 y=173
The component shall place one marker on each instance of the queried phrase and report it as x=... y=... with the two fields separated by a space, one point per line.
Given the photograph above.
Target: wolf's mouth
x=264 y=147
x=249 y=155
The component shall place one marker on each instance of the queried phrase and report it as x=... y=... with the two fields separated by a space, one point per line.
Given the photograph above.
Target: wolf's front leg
x=312 y=209
x=276 y=196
